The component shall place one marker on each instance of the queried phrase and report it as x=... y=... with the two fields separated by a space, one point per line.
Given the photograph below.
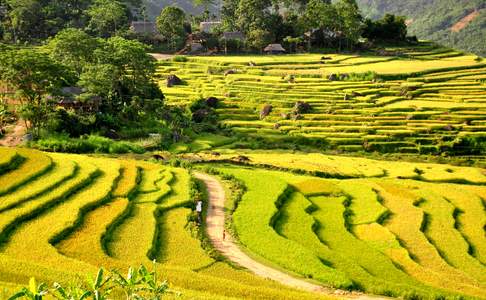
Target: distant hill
x=456 y=23
x=155 y=6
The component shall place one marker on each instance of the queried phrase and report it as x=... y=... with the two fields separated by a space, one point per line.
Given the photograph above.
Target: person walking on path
x=199 y=211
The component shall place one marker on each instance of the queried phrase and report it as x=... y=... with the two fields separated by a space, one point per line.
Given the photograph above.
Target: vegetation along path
x=215 y=222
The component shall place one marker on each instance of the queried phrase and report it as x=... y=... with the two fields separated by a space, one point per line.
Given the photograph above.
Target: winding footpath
x=215 y=221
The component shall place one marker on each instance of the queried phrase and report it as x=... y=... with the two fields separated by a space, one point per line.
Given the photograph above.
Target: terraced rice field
x=366 y=225
x=419 y=103
x=63 y=216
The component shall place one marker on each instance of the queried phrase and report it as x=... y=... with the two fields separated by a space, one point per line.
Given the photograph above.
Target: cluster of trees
x=322 y=22
x=112 y=80
x=35 y=20
x=318 y=23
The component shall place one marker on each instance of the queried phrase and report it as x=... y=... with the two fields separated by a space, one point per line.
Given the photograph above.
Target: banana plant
x=100 y=287
x=34 y=292
x=72 y=292
x=131 y=285
x=151 y=284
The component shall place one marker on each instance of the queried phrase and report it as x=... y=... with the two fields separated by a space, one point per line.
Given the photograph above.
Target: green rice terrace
x=415 y=100
x=399 y=229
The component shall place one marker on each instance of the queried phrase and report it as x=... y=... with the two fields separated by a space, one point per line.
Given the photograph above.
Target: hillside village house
x=274 y=49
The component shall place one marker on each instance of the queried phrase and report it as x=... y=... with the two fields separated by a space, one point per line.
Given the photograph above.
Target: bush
x=180 y=58
x=85 y=144
x=70 y=122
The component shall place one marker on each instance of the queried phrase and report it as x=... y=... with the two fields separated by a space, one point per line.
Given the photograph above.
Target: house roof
x=235 y=35
x=144 y=27
x=274 y=48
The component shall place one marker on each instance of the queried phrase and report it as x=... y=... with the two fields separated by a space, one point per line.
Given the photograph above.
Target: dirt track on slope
x=14 y=138
x=215 y=221
x=465 y=21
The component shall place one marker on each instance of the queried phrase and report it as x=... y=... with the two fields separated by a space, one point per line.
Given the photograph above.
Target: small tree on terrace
x=258 y=39
x=170 y=24
x=34 y=76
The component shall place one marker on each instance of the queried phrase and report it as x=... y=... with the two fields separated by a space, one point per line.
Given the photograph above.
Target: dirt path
x=215 y=221
x=465 y=21
x=15 y=137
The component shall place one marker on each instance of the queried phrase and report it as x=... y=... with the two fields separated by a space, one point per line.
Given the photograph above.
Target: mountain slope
x=456 y=23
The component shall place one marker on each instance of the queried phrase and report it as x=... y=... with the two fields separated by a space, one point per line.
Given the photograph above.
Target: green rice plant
x=381 y=239
x=36 y=164
x=9 y=159
x=129 y=180
x=365 y=203
x=48 y=229
x=177 y=246
x=86 y=243
x=29 y=210
x=295 y=223
x=438 y=227
x=150 y=176
x=469 y=216
x=61 y=171
x=330 y=214
x=406 y=225
x=253 y=217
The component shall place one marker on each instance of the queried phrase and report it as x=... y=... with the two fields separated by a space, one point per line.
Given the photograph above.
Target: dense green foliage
x=80 y=85
x=35 y=20
x=433 y=20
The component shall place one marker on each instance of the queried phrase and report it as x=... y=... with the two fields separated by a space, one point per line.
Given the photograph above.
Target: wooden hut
x=274 y=49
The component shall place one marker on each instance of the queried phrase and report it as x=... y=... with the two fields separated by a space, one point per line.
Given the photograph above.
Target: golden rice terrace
x=418 y=100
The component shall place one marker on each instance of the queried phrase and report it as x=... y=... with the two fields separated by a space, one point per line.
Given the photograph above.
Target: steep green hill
x=433 y=19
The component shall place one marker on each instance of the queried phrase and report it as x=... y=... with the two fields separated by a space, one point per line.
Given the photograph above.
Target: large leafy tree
x=34 y=76
x=107 y=17
x=350 y=15
x=252 y=14
x=319 y=14
x=258 y=39
x=228 y=14
x=73 y=48
x=122 y=75
x=23 y=18
x=170 y=24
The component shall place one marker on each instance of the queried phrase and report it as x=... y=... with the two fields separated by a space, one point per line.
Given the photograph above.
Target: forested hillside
x=435 y=19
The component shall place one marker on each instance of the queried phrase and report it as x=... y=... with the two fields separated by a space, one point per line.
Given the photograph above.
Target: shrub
x=85 y=144
x=180 y=58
